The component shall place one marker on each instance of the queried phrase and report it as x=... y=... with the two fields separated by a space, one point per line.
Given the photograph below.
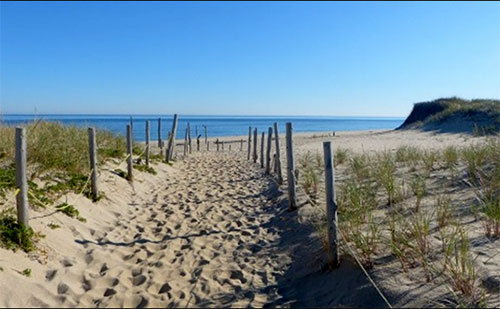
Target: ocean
x=217 y=126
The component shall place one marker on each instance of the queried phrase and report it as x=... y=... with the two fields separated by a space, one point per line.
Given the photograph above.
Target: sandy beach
x=211 y=230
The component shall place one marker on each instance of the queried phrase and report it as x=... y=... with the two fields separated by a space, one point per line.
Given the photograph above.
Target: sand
x=212 y=230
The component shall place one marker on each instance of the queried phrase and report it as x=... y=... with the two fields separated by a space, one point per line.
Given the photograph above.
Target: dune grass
x=52 y=145
x=380 y=197
x=58 y=163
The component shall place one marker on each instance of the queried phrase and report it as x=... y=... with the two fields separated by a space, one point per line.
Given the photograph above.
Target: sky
x=245 y=58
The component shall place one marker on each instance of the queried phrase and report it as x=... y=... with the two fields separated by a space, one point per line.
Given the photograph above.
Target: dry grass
x=378 y=218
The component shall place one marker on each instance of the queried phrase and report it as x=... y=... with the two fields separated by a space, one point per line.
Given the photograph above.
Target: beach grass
x=378 y=216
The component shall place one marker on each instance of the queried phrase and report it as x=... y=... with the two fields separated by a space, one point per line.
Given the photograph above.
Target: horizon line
x=191 y=115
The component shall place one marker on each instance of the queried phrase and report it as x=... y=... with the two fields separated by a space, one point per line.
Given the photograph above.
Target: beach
x=211 y=230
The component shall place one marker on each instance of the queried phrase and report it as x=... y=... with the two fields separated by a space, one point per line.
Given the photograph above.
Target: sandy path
x=198 y=242
x=211 y=231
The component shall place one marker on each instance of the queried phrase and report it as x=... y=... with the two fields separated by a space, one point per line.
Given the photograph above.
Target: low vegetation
x=482 y=116
x=395 y=203
x=14 y=236
x=58 y=163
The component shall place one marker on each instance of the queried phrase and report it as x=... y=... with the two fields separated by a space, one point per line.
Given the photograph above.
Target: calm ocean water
x=216 y=125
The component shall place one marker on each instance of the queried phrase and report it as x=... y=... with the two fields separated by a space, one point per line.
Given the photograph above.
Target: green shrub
x=14 y=235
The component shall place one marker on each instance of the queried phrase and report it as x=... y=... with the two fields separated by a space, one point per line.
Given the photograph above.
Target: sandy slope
x=211 y=231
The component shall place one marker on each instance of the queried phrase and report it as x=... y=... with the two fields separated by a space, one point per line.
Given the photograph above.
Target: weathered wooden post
x=189 y=138
x=229 y=147
x=290 y=164
x=171 y=140
x=241 y=145
x=160 y=144
x=217 y=142
x=268 y=152
x=277 y=163
x=255 y=145
x=331 y=206
x=206 y=133
x=249 y=141
x=186 y=141
x=222 y=145
x=198 y=143
x=147 y=143
x=208 y=146
x=262 y=150
x=21 y=179
x=129 y=152
x=93 y=164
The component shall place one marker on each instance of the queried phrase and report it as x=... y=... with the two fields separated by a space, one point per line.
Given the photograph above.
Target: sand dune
x=210 y=231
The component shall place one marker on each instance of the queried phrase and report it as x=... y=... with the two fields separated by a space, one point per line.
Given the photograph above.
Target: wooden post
x=268 y=152
x=262 y=150
x=171 y=140
x=217 y=142
x=278 y=159
x=129 y=152
x=275 y=166
x=241 y=145
x=222 y=145
x=189 y=138
x=186 y=141
x=229 y=146
x=160 y=145
x=208 y=146
x=331 y=206
x=21 y=179
x=206 y=133
x=249 y=141
x=290 y=164
x=93 y=164
x=147 y=143
x=198 y=143
x=255 y=145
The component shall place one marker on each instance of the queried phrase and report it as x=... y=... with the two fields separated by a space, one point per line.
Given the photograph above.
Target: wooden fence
x=265 y=163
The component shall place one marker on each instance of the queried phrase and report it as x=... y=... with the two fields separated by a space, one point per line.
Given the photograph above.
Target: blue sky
x=258 y=58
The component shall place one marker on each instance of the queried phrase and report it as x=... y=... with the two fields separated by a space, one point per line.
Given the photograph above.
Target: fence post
x=147 y=143
x=160 y=145
x=208 y=146
x=278 y=158
x=186 y=141
x=189 y=138
x=198 y=143
x=249 y=141
x=171 y=140
x=229 y=147
x=129 y=152
x=268 y=151
x=206 y=134
x=331 y=206
x=290 y=167
x=222 y=145
x=262 y=150
x=255 y=145
x=241 y=145
x=21 y=179
x=217 y=142
x=93 y=164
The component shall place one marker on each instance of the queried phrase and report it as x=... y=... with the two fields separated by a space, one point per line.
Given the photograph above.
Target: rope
x=364 y=270
x=16 y=192
x=357 y=260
